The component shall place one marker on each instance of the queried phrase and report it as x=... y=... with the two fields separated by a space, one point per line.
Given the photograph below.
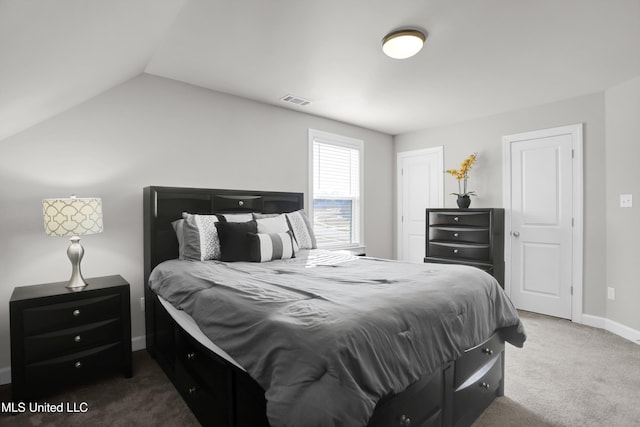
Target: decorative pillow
x=178 y=227
x=267 y=247
x=302 y=231
x=234 y=240
x=200 y=237
x=235 y=217
x=270 y=225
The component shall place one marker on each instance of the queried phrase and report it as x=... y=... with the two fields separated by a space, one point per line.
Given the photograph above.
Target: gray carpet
x=566 y=375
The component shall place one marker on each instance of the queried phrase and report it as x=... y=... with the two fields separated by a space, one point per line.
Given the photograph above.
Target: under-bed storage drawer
x=477 y=379
x=475 y=358
x=205 y=383
x=474 y=395
x=419 y=405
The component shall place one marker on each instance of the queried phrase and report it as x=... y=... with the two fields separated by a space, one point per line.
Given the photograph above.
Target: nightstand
x=60 y=336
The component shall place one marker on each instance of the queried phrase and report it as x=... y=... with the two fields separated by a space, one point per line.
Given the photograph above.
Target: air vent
x=295 y=100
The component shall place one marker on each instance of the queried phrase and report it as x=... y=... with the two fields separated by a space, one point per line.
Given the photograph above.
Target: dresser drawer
x=41 y=346
x=74 y=367
x=459 y=234
x=70 y=314
x=419 y=405
x=477 y=219
x=461 y=251
x=473 y=397
x=474 y=359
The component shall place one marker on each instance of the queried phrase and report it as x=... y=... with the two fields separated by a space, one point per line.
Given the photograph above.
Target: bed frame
x=223 y=395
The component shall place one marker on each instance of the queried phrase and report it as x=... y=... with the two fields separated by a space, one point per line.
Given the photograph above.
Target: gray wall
x=154 y=131
x=623 y=224
x=485 y=137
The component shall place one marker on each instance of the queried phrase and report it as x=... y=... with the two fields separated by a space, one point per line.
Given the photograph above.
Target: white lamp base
x=75 y=253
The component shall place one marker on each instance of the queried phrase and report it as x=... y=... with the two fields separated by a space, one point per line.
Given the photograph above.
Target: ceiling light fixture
x=403 y=43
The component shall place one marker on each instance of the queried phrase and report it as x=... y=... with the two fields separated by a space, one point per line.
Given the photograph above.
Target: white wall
x=623 y=224
x=155 y=131
x=485 y=137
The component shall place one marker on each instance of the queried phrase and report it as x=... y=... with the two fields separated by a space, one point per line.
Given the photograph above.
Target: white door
x=541 y=219
x=420 y=185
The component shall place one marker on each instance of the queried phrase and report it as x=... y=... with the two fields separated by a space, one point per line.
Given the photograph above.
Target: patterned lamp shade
x=73 y=216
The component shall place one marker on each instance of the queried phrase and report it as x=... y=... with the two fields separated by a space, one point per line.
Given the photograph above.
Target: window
x=335 y=164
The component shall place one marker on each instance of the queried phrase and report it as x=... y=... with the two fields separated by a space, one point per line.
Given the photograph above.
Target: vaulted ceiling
x=480 y=57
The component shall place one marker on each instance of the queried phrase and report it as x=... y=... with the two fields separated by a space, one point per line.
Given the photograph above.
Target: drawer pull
x=192 y=389
x=78 y=365
x=455 y=251
x=487 y=351
x=456 y=235
x=191 y=356
x=404 y=420
x=485 y=386
x=455 y=218
x=76 y=312
x=77 y=338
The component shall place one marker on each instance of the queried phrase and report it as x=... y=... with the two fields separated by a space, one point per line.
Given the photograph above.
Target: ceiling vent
x=295 y=100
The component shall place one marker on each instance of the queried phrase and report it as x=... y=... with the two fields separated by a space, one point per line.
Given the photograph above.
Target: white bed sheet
x=189 y=325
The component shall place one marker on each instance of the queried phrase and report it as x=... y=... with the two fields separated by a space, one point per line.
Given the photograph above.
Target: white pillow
x=276 y=224
x=302 y=231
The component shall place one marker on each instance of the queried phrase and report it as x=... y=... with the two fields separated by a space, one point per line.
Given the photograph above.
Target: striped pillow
x=267 y=247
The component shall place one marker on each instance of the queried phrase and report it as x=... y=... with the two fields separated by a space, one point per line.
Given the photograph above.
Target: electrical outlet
x=142 y=304
x=626 y=200
x=611 y=293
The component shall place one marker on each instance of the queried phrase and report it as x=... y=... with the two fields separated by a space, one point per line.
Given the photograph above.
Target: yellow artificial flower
x=463 y=173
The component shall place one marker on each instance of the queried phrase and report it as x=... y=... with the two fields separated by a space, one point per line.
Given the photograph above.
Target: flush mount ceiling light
x=403 y=43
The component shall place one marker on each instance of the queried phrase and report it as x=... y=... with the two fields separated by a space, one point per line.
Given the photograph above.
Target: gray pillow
x=200 y=237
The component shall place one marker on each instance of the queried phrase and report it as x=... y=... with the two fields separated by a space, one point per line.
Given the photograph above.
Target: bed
x=226 y=375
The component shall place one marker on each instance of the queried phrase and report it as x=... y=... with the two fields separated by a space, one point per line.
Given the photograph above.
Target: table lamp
x=73 y=217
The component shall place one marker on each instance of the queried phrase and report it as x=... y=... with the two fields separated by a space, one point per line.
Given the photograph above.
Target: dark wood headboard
x=162 y=205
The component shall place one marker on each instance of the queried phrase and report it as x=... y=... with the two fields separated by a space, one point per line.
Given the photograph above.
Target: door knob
x=516 y=234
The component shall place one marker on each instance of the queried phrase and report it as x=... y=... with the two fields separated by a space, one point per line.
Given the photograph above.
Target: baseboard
x=137 y=343
x=614 y=327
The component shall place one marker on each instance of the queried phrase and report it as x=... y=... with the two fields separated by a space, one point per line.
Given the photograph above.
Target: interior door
x=420 y=185
x=541 y=221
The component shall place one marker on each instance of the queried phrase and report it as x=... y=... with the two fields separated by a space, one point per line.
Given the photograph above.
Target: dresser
x=60 y=336
x=467 y=236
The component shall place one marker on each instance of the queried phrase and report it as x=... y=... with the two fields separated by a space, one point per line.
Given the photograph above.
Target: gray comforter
x=328 y=335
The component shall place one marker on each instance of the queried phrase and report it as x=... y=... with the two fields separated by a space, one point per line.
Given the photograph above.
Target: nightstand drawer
x=38 y=347
x=74 y=367
x=455 y=234
x=478 y=219
x=70 y=314
x=459 y=251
